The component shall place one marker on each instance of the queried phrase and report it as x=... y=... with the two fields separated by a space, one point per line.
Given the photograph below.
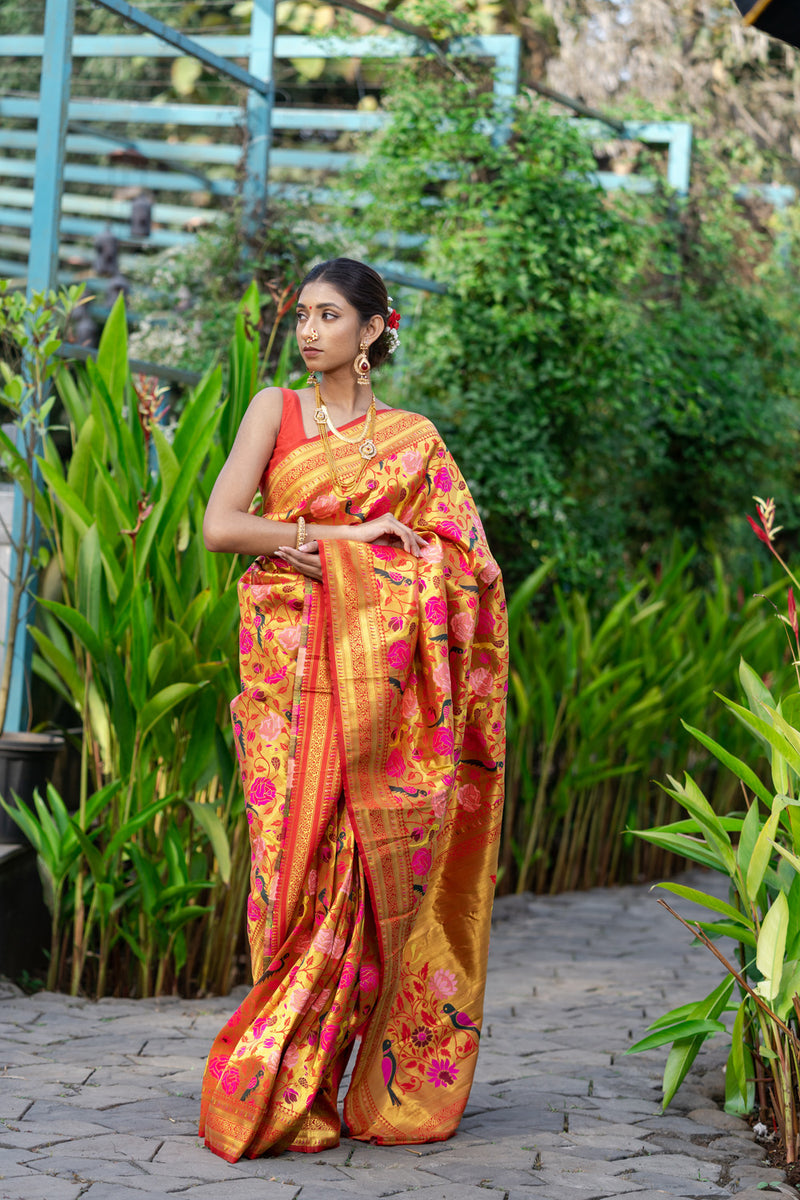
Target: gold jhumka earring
x=361 y=365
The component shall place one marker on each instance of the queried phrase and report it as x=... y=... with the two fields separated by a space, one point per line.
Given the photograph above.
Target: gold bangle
x=301 y=532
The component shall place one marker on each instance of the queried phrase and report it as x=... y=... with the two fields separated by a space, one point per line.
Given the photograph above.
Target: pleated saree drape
x=371 y=739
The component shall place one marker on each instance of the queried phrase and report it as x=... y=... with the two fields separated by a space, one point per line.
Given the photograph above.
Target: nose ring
x=312 y=336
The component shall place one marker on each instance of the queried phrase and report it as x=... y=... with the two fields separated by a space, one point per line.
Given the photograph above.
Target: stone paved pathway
x=100 y=1101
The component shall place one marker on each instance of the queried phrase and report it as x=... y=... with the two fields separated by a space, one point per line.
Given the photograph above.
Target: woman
x=370 y=735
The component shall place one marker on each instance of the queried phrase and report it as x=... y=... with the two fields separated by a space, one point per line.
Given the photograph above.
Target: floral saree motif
x=371 y=738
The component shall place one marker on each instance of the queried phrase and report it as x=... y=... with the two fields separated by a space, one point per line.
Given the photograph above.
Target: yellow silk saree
x=371 y=740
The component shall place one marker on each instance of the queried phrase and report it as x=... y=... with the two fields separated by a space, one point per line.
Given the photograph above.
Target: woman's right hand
x=388 y=531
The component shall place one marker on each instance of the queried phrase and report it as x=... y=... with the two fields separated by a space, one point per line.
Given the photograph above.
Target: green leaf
x=708 y=901
x=680 y=1031
x=740 y=768
x=771 y=945
x=162 y=703
x=214 y=829
x=739 y=1073
x=112 y=353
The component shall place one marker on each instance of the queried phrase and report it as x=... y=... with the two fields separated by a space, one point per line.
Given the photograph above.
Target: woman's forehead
x=317 y=295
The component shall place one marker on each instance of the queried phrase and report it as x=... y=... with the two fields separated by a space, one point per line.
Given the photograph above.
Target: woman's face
x=323 y=311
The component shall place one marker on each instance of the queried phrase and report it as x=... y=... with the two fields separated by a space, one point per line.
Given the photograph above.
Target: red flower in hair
x=393 y=320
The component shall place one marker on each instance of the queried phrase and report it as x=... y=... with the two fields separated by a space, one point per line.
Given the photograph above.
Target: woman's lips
x=309 y=351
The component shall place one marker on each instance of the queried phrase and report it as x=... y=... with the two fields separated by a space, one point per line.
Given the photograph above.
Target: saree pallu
x=371 y=739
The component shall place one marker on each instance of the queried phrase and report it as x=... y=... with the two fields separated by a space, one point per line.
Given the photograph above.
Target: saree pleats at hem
x=274 y=1071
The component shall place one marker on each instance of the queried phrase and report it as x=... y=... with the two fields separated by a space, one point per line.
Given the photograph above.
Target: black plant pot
x=26 y=763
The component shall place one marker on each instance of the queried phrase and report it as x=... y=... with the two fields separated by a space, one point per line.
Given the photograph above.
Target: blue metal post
x=679 y=164
x=59 y=24
x=259 y=114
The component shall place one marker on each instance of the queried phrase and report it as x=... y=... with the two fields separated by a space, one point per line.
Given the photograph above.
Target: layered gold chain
x=366 y=446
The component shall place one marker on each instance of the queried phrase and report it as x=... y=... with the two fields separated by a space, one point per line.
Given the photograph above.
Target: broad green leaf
x=762 y=852
x=681 y=1031
x=112 y=353
x=739 y=1073
x=771 y=945
x=214 y=829
x=739 y=768
x=162 y=703
x=708 y=901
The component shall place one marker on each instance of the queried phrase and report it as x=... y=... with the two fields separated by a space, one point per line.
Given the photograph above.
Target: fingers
x=305 y=560
x=412 y=543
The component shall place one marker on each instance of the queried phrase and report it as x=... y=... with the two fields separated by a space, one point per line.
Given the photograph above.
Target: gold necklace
x=366 y=446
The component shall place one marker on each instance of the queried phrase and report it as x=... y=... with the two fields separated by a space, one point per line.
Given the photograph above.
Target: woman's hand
x=306 y=560
x=388 y=531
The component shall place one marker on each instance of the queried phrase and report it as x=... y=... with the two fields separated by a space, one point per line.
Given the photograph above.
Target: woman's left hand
x=306 y=560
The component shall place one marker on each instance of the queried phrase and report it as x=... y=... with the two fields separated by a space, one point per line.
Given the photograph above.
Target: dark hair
x=364 y=289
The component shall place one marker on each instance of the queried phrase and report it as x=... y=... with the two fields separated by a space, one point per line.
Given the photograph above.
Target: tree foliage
x=605 y=371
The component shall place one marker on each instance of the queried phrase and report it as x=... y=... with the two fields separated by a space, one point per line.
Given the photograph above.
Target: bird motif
x=273 y=970
x=460 y=1020
x=389 y=1068
x=253 y=1084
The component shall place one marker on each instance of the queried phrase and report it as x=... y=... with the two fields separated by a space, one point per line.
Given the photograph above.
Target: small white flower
x=760 y=1129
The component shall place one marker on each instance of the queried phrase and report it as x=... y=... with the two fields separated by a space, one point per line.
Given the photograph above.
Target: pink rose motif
x=217 y=1065
x=329 y=1035
x=481 y=681
x=319 y=1002
x=412 y=462
x=444 y=983
x=347 y=976
x=485 y=626
x=421 y=861
x=262 y=790
x=259 y=1026
x=432 y=553
x=261 y=593
x=323 y=940
x=399 y=655
x=245 y=641
x=410 y=703
x=450 y=530
x=385 y=553
x=271 y=726
x=439 y=804
x=368 y=978
x=443 y=479
x=274 y=1060
x=436 y=610
x=461 y=626
x=441 y=675
x=290 y=638
x=395 y=764
x=489 y=573
x=469 y=797
x=253 y=910
x=324 y=506
x=443 y=741
x=382 y=505
x=299 y=999
x=311 y=882
x=291 y=1055
x=230 y=1081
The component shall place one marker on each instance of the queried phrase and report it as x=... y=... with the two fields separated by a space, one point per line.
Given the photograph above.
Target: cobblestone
x=100 y=1101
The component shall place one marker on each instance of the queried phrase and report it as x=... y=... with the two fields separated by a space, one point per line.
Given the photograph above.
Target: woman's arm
x=230 y=526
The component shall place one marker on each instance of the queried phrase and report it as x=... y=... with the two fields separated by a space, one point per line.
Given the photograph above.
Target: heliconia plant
x=146 y=882
x=758 y=851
